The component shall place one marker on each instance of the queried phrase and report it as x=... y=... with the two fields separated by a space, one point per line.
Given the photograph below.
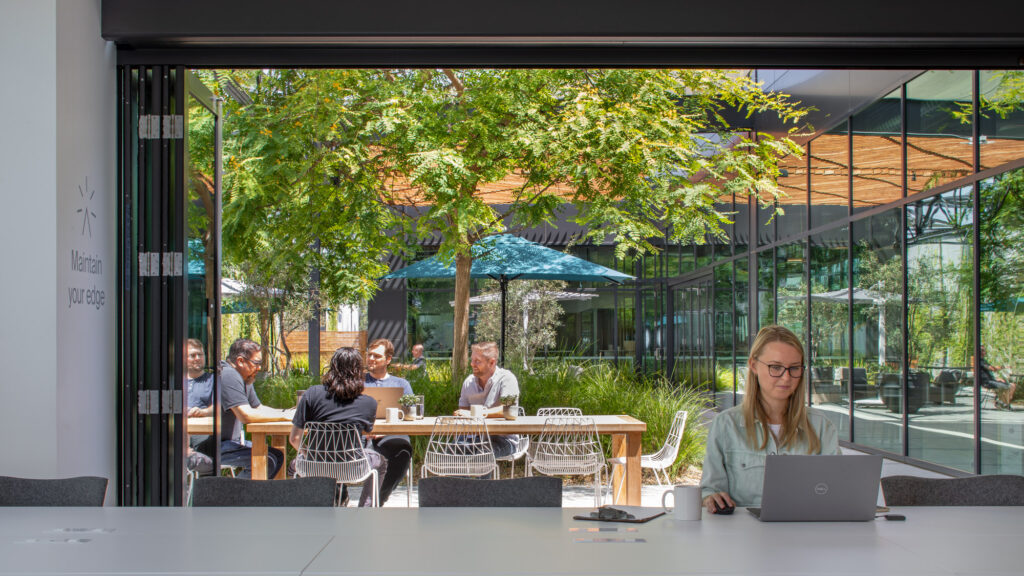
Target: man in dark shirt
x=242 y=406
x=397 y=450
x=1003 y=390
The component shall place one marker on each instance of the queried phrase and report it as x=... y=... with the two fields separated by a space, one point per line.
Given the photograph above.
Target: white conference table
x=498 y=541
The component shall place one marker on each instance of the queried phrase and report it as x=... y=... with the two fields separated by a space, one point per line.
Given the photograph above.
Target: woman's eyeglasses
x=777 y=370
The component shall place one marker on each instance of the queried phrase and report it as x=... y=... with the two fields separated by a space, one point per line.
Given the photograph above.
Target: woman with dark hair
x=773 y=419
x=340 y=399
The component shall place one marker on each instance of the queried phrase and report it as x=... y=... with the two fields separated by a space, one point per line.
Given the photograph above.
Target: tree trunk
x=460 y=357
x=264 y=329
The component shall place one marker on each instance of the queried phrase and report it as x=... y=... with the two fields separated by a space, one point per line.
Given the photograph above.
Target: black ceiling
x=739 y=33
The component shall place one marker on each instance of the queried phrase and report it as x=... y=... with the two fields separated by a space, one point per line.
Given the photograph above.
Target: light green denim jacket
x=731 y=465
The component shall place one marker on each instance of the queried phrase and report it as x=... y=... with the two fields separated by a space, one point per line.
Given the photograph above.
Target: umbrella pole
x=503 y=282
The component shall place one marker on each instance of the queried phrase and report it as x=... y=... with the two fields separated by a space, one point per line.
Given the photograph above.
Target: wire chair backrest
x=568 y=445
x=332 y=450
x=559 y=411
x=459 y=447
x=670 y=449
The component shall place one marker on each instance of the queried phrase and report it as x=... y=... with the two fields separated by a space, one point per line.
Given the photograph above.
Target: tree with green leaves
x=533 y=317
x=339 y=157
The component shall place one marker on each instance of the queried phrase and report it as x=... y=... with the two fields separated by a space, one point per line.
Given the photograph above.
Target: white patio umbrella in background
x=863 y=296
x=532 y=295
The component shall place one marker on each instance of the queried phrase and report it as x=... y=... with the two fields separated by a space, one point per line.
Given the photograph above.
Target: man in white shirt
x=486 y=386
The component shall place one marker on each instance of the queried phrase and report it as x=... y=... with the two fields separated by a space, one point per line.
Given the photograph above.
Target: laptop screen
x=386 y=397
x=812 y=488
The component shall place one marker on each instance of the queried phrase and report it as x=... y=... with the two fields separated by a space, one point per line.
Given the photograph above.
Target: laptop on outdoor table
x=811 y=488
x=386 y=397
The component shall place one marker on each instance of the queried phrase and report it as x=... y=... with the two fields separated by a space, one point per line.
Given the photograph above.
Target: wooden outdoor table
x=277 y=434
x=626 y=433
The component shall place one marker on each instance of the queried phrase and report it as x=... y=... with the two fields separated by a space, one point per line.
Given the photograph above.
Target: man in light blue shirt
x=397 y=450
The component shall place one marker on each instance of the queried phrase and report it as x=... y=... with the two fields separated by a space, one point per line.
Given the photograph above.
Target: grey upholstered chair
x=994 y=490
x=537 y=491
x=225 y=491
x=78 y=491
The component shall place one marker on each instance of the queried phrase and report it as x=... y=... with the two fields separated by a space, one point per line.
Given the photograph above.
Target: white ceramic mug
x=393 y=415
x=686 y=502
x=476 y=411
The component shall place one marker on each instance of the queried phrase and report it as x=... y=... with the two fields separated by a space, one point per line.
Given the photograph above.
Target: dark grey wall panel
x=386 y=312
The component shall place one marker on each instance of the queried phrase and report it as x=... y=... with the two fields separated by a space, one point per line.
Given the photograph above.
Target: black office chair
x=994 y=490
x=534 y=491
x=227 y=491
x=78 y=491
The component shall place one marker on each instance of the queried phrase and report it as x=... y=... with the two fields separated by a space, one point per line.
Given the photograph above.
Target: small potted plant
x=510 y=410
x=408 y=402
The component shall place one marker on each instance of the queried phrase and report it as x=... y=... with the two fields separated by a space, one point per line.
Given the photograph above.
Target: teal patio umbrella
x=507 y=257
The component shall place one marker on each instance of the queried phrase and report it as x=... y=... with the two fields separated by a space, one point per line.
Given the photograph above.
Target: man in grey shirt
x=486 y=386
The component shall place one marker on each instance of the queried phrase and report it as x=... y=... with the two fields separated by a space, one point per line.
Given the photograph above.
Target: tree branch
x=460 y=89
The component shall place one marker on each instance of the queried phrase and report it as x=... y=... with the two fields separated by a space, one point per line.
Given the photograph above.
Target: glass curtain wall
x=829 y=161
x=694 y=315
x=1001 y=229
x=828 y=332
x=877 y=138
x=940 y=146
x=725 y=335
x=791 y=287
x=940 y=317
x=877 y=331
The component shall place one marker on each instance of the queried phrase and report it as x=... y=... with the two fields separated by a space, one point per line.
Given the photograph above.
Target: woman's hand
x=717 y=501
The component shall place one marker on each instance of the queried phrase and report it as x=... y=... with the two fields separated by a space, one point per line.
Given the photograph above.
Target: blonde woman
x=772 y=419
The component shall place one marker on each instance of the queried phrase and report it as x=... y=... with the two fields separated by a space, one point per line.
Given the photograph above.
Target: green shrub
x=279 y=391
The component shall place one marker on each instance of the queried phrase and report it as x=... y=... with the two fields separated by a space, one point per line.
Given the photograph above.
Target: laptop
x=386 y=397
x=810 y=488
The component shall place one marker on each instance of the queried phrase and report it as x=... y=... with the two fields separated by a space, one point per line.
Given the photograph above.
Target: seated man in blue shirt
x=397 y=450
x=199 y=392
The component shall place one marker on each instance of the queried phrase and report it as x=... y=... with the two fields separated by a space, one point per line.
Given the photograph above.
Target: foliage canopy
x=360 y=163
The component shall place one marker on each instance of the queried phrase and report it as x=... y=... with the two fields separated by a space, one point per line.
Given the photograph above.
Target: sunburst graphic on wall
x=86 y=211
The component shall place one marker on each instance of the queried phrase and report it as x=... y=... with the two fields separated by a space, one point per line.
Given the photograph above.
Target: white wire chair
x=459 y=447
x=521 y=450
x=559 y=411
x=568 y=445
x=660 y=460
x=336 y=451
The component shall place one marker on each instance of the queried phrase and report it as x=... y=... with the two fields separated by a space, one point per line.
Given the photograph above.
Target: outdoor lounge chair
x=661 y=460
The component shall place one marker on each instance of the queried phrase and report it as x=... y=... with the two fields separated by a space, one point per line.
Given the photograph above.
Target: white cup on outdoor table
x=686 y=502
x=476 y=411
x=393 y=415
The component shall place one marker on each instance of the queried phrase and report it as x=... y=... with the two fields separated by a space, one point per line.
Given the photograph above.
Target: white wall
x=28 y=238
x=86 y=192
x=57 y=110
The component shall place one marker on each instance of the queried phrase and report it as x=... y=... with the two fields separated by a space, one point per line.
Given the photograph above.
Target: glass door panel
x=202 y=207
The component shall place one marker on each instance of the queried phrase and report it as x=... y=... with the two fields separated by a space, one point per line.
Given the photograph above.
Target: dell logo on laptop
x=821 y=489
